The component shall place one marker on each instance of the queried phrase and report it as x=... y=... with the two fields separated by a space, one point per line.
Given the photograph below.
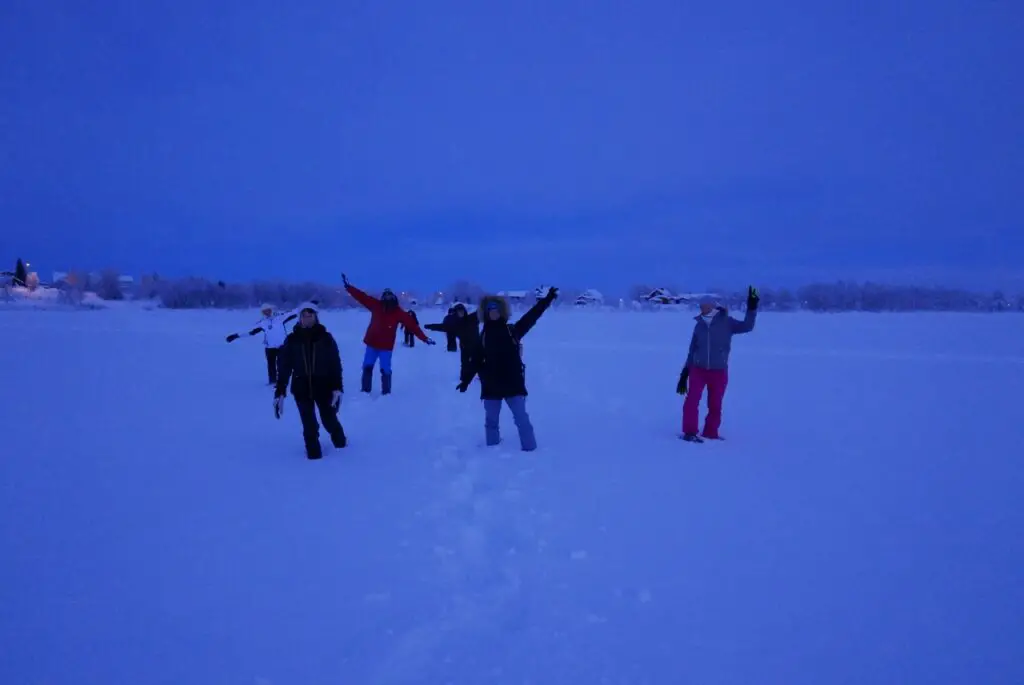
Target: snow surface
x=862 y=524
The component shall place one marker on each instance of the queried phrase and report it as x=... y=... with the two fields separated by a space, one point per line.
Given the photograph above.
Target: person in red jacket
x=385 y=317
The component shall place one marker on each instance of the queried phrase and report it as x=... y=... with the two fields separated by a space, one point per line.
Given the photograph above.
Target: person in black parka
x=409 y=338
x=497 y=358
x=462 y=326
x=310 y=359
x=447 y=326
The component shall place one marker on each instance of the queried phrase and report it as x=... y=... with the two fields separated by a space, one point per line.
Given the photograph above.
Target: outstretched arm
x=447 y=325
x=411 y=324
x=362 y=298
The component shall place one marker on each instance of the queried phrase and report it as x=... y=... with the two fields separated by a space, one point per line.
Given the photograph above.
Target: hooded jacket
x=310 y=358
x=497 y=357
x=711 y=343
x=384 y=321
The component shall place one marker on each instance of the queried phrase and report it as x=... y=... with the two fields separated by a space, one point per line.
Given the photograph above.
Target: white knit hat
x=265 y=306
x=310 y=306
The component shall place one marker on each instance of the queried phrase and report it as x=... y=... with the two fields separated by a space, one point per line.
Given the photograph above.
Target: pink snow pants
x=715 y=381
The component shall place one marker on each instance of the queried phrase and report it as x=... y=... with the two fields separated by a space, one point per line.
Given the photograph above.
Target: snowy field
x=861 y=524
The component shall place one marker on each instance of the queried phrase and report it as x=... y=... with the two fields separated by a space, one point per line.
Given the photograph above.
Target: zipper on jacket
x=709 y=341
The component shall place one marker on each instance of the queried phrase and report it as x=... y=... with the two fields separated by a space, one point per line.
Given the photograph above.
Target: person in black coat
x=310 y=359
x=497 y=358
x=462 y=326
x=447 y=326
x=409 y=336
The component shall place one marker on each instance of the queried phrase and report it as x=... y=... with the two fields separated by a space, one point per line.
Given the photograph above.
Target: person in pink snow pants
x=707 y=364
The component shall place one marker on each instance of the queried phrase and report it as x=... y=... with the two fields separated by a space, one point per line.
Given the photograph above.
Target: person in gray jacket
x=707 y=364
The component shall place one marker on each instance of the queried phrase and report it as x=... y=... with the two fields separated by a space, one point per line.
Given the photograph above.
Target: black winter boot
x=367 y=383
x=313 y=450
x=385 y=383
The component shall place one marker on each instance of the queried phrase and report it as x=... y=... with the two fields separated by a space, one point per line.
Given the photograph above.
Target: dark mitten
x=551 y=294
x=753 y=298
x=684 y=375
x=462 y=387
x=232 y=337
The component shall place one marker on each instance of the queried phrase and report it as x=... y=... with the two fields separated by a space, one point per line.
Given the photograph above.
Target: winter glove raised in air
x=551 y=294
x=336 y=400
x=753 y=298
x=232 y=337
x=278 y=406
x=684 y=375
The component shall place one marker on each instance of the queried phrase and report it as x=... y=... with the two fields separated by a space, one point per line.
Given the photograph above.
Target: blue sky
x=584 y=142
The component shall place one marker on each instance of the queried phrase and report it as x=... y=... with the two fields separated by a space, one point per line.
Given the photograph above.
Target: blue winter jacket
x=710 y=344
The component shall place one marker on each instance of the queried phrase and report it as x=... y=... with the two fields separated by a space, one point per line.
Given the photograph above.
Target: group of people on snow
x=490 y=349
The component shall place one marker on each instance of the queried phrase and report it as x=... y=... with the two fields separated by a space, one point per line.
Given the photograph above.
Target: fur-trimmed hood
x=486 y=300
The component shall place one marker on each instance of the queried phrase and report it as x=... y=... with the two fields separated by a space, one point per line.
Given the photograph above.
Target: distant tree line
x=840 y=296
x=849 y=296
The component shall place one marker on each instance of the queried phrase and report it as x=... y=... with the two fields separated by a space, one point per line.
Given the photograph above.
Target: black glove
x=462 y=387
x=683 y=376
x=232 y=337
x=753 y=298
x=344 y=280
x=551 y=294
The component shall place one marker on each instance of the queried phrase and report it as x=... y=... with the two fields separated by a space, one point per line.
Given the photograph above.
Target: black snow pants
x=271 y=364
x=308 y=409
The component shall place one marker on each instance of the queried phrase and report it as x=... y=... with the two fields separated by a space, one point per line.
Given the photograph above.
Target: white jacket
x=275 y=330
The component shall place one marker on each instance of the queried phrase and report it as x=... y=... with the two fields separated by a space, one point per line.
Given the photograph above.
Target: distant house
x=589 y=298
x=126 y=283
x=662 y=296
x=515 y=296
x=696 y=297
x=59 y=277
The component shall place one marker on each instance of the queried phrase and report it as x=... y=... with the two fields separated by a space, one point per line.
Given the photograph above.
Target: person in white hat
x=272 y=326
x=707 y=363
x=310 y=359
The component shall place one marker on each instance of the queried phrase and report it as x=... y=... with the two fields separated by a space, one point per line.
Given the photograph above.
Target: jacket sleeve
x=290 y=317
x=332 y=345
x=447 y=325
x=471 y=366
x=362 y=298
x=744 y=326
x=693 y=348
x=284 y=367
x=529 y=319
x=411 y=324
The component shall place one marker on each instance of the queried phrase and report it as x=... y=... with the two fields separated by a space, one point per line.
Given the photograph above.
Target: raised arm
x=362 y=298
x=529 y=319
x=746 y=325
